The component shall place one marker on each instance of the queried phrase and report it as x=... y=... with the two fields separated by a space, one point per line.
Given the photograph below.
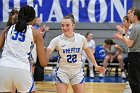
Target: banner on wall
x=83 y=10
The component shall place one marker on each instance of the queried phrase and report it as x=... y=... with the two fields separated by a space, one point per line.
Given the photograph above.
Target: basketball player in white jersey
x=91 y=45
x=70 y=46
x=19 y=43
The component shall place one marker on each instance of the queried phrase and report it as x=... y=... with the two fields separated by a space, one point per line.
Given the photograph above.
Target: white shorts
x=69 y=75
x=21 y=79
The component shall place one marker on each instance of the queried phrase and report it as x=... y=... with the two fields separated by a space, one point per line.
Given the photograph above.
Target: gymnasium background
x=97 y=16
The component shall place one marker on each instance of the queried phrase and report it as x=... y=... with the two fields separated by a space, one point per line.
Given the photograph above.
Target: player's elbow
x=44 y=63
x=1 y=46
x=129 y=44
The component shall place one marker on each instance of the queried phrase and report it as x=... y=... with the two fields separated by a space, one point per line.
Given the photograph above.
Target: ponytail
x=21 y=26
x=26 y=14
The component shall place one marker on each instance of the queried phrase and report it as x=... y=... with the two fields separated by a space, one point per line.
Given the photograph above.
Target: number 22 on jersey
x=72 y=58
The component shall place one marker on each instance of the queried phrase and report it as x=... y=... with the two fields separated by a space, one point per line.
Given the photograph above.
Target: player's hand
x=100 y=69
x=118 y=36
x=46 y=28
x=120 y=29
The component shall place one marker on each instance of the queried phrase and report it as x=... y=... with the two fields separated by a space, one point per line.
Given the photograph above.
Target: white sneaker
x=123 y=75
x=101 y=75
x=107 y=72
x=127 y=88
x=91 y=74
x=127 y=84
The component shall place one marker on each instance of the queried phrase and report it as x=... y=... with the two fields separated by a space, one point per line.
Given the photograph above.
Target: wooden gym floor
x=109 y=84
x=90 y=87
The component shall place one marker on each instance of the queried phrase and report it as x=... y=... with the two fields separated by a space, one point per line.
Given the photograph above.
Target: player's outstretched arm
x=2 y=37
x=38 y=39
x=91 y=57
x=48 y=53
